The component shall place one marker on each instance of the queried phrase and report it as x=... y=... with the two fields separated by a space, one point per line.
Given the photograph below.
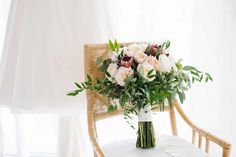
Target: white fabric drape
x=43 y=53
x=4 y=7
x=42 y=57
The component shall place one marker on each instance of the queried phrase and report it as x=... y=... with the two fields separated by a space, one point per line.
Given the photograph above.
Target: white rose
x=113 y=56
x=112 y=69
x=139 y=56
x=115 y=102
x=144 y=68
x=172 y=62
x=122 y=74
x=143 y=47
x=137 y=51
x=164 y=64
x=129 y=53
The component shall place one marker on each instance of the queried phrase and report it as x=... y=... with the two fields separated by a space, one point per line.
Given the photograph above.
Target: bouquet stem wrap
x=146 y=135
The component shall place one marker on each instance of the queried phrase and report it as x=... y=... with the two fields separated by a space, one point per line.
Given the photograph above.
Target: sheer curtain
x=43 y=56
x=4 y=7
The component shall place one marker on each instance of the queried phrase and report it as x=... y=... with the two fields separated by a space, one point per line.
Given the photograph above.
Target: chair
x=97 y=110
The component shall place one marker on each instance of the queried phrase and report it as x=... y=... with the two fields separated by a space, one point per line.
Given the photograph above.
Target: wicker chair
x=97 y=108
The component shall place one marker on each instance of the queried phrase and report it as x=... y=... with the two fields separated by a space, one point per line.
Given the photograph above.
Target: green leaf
x=116 y=45
x=193 y=79
x=169 y=98
x=179 y=65
x=159 y=49
x=166 y=45
x=201 y=77
x=74 y=93
x=79 y=86
x=151 y=76
x=89 y=79
x=122 y=103
x=113 y=46
x=209 y=76
x=99 y=60
x=87 y=83
x=150 y=72
x=110 y=45
x=147 y=48
x=195 y=73
x=181 y=96
x=189 y=68
x=83 y=84
x=112 y=108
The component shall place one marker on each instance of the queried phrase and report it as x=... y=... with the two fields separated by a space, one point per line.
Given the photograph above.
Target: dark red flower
x=153 y=49
x=127 y=61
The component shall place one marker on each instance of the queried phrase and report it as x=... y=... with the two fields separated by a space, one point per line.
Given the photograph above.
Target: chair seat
x=167 y=146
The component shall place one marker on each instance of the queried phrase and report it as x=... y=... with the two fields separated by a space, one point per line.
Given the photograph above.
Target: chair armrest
x=93 y=137
x=202 y=133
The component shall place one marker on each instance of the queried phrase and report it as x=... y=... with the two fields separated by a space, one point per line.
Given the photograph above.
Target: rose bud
x=153 y=49
x=126 y=61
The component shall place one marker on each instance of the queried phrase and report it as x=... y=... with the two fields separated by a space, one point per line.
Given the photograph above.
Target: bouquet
x=140 y=77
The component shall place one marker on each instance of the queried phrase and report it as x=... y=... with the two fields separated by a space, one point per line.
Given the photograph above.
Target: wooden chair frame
x=94 y=99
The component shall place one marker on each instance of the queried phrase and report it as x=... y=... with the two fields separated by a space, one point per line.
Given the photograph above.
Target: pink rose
x=139 y=56
x=153 y=61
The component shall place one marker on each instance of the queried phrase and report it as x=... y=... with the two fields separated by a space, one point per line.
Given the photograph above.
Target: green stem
x=146 y=135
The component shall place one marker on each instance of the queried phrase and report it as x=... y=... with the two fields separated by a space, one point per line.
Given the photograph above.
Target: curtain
x=73 y=138
x=4 y=7
x=43 y=53
x=42 y=57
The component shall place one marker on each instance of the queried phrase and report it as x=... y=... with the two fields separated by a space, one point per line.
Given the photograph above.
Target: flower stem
x=146 y=135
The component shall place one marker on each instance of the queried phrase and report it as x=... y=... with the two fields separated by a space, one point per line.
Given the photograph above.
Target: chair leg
x=173 y=122
x=95 y=154
x=226 y=152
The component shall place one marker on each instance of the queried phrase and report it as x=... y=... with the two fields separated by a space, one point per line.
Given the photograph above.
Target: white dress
x=43 y=52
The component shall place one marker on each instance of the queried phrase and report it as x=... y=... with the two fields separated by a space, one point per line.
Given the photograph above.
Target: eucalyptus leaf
x=166 y=45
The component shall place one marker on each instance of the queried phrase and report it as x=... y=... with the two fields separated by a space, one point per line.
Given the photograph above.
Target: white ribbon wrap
x=145 y=114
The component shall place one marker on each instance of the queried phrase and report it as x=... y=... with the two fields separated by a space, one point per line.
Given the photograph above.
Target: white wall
x=213 y=106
